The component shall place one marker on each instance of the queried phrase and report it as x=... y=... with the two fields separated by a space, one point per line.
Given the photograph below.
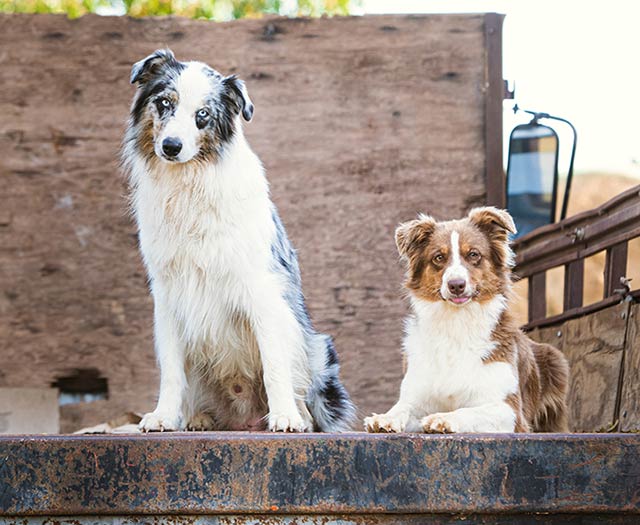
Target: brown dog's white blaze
x=459 y=280
x=457 y=260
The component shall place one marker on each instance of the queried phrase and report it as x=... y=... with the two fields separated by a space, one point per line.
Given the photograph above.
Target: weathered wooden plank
x=594 y=346
x=580 y=236
x=552 y=335
x=630 y=391
x=573 y=284
x=537 y=296
x=221 y=473
x=496 y=182
x=361 y=122
x=615 y=268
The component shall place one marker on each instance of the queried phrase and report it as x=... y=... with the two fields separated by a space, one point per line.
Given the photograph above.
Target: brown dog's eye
x=474 y=256
x=438 y=258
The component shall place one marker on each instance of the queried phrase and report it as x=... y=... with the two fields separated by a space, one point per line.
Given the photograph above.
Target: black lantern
x=532 y=173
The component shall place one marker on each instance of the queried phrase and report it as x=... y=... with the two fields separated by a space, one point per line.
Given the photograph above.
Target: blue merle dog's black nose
x=171 y=146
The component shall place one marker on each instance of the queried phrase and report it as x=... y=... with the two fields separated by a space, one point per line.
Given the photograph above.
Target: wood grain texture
x=361 y=123
x=594 y=345
x=630 y=392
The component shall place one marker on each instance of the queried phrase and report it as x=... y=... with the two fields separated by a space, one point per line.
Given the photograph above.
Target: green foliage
x=208 y=9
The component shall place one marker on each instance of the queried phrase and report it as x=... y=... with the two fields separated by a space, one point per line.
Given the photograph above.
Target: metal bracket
x=576 y=235
x=626 y=287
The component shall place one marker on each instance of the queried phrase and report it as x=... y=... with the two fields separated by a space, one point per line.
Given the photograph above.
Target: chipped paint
x=354 y=474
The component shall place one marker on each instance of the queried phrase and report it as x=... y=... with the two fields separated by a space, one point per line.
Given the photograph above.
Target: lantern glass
x=532 y=176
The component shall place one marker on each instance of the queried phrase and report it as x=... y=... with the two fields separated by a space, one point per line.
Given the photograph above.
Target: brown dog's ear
x=497 y=224
x=414 y=234
x=493 y=220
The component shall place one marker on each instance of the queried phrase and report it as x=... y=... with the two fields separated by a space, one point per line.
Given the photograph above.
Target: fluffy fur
x=234 y=342
x=469 y=367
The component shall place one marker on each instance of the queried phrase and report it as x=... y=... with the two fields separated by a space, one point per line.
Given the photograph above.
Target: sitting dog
x=234 y=342
x=469 y=367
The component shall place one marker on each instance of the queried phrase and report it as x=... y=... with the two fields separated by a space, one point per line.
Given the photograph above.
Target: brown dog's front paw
x=439 y=424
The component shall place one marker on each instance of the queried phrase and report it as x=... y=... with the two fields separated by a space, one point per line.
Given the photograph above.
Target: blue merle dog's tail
x=327 y=399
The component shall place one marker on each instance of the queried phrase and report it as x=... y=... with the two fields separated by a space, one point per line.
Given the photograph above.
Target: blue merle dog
x=233 y=338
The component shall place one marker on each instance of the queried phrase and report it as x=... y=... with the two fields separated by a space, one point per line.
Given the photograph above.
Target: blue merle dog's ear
x=145 y=68
x=238 y=92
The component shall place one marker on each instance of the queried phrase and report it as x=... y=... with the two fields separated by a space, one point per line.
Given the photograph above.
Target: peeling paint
x=356 y=474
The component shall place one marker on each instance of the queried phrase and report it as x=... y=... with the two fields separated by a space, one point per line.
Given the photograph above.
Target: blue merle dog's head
x=184 y=111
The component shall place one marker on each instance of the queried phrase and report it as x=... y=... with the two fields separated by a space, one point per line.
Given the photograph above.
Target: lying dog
x=233 y=338
x=469 y=368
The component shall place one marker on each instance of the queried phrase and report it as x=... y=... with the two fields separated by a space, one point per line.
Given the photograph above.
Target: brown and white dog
x=469 y=367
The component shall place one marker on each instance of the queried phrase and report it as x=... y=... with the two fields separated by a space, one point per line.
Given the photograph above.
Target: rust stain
x=353 y=474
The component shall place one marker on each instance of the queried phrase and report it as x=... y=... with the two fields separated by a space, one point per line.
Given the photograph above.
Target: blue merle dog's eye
x=202 y=117
x=163 y=104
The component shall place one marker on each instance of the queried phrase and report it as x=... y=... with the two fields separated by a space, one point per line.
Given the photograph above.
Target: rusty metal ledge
x=237 y=473
x=335 y=519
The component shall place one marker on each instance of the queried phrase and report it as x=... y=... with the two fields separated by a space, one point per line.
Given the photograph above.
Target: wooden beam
x=615 y=268
x=580 y=236
x=537 y=296
x=494 y=95
x=573 y=284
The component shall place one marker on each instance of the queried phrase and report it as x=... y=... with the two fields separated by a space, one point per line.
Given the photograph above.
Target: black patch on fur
x=148 y=91
x=237 y=90
x=335 y=396
x=154 y=75
x=332 y=355
x=286 y=261
x=227 y=109
x=224 y=109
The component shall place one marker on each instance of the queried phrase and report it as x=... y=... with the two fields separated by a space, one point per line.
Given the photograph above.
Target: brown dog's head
x=458 y=261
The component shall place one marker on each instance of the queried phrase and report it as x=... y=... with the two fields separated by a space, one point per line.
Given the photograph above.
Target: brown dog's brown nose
x=457 y=286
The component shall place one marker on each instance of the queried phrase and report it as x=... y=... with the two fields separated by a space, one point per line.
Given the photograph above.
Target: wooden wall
x=603 y=349
x=361 y=122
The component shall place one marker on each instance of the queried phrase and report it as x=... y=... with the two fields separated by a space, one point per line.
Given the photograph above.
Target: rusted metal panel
x=223 y=473
x=339 y=519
